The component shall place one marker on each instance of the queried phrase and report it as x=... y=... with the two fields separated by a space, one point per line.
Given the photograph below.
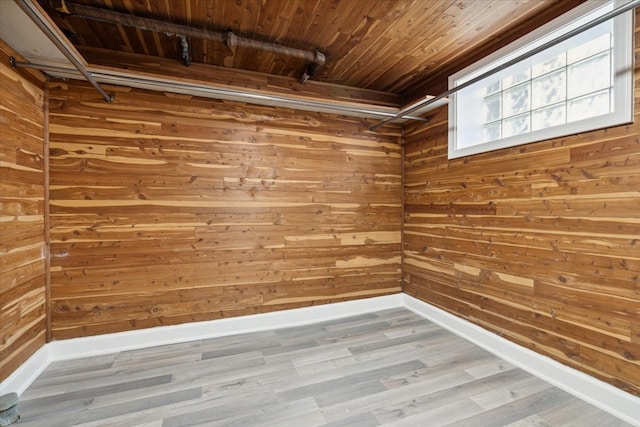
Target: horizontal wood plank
x=172 y=209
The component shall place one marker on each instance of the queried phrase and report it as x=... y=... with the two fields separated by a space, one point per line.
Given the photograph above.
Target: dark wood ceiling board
x=130 y=39
x=147 y=41
x=157 y=44
x=246 y=22
x=420 y=25
x=379 y=50
x=180 y=12
x=112 y=34
x=366 y=41
x=159 y=9
x=80 y=31
x=400 y=46
x=248 y=26
x=204 y=15
x=231 y=16
x=189 y=14
x=464 y=33
x=167 y=44
x=329 y=29
x=276 y=19
x=210 y=15
x=220 y=54
x=408 y=30
x=310 y=15
x=345 y=17
x=140 y=36
x=456 y=29
x=127 y=7
x=349 y=45
x=391 y=78
x=436 y=80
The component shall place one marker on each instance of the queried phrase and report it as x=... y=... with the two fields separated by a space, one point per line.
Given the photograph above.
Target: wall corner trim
x=592 y=390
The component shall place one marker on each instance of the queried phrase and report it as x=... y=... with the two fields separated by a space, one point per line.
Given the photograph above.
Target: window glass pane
x=597 y=45
x=549 y=65
x=549 y=116
x=492 y=108
x=549 y=89
x=590 y=75
x=516 y=78
x=491 y=132
x=589 y=106
x=515 y=125
x=515 y=100
x=493 y=88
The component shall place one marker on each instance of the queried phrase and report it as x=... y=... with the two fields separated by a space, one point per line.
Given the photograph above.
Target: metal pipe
x=212 y=92
x=424 y=103
x=36 y=17
x=227 y=37
x=184 y=48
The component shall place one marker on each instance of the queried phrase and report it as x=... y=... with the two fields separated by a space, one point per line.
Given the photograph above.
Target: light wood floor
x=385 y=368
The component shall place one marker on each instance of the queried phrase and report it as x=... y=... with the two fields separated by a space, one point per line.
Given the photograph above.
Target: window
x=581 y=84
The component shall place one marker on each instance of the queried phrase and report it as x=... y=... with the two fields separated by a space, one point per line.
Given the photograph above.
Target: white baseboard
x=162 y=335
x=590 y=389
x=27 y=373
x=606 y=397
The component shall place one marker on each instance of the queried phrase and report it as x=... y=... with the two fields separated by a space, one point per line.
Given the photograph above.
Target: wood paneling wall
x=539 y=243
x=168 y=209
x=22 y=195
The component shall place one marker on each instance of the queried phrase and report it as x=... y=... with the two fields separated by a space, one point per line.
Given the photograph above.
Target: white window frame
x=622 y=86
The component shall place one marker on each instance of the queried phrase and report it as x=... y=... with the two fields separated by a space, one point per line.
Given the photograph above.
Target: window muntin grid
x=539 y=97
x=573 y=85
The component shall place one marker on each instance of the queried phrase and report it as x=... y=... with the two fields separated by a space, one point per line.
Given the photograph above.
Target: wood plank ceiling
x=405 y=47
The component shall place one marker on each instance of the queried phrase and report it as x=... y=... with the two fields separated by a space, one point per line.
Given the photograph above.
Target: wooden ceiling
x=406 y=47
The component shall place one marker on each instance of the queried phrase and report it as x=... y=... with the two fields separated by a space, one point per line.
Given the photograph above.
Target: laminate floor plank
x=386 y=368
x=517 y=409
x=440 y=395
x=579 y=413
x=62 y=369
x=435 y=417
x=365 y=419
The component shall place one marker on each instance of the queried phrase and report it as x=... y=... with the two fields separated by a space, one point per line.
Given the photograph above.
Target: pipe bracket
x=184 y=46
x=230 y=39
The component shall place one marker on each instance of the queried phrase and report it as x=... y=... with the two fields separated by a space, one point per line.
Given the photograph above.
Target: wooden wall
x=22 y=195
x=539 y=244
x=168 y=209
